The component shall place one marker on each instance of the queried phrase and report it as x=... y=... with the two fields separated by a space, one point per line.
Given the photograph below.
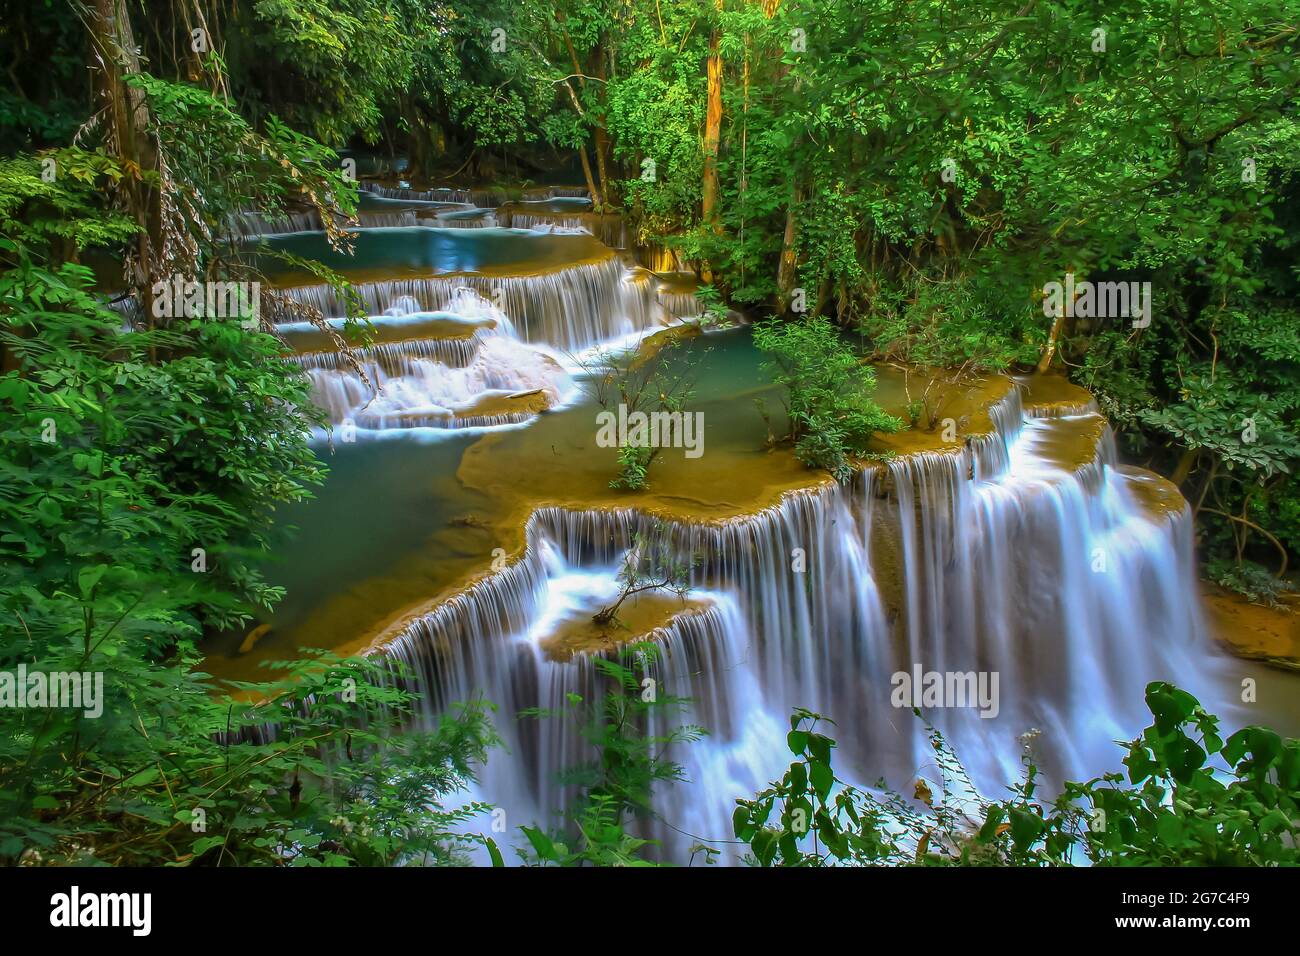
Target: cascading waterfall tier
x=443 y=194
x=544 y=223
x=1026 y=554
x=468 y=219
x=486 y=197
x=251 y=224
x=373 y=212
x=462 y=367
x=460 y=349
x=565 y=215
x=571 y=309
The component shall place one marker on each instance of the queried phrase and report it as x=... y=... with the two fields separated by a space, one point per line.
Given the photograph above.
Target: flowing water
x=468 y=530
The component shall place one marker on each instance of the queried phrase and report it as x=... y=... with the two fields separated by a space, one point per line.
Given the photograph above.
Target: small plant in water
x=633 y=381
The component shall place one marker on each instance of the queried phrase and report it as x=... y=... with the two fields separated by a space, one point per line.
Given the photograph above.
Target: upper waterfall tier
x=448 y=336
x=487 y=197
x=567 y=291
x=373 y=211
x=423 y=252
x=565 y=214
x=459 y=368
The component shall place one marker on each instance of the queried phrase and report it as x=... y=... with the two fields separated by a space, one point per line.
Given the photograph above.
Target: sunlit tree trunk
x=1049 y=350
x=603 y=145
x=712 y=140
x=786 y=267
x=785 y=273
x=712 y=129
x=598 y=196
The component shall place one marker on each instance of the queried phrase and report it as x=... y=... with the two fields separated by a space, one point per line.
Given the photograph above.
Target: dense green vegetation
x=905 y=175
x=1172 y=805
x=829 y=406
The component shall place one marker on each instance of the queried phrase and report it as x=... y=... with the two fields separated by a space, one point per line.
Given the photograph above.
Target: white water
x=997 y=575
x=434 y=382
x=570 y=309
x=533 y=328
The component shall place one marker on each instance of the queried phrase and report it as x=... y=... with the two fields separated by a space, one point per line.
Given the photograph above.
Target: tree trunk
x=785 y=275
x=591 y=183
x=113 y=55
x=712 y=131
x=1049 y=351
x=602 y=166
x=603 y=145
x=1184 y=467
x=599 y=197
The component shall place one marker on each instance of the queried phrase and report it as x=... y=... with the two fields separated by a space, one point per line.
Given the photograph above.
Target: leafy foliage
x=629 y=747
x=135 y=491
x=1253 y=582
x=646 y=381
x=1173 y=807
x=831 y=413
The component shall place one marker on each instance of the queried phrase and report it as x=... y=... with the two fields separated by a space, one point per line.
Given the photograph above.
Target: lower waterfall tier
x=1053 y=587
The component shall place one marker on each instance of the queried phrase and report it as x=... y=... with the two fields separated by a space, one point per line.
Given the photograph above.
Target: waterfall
x=571 y=308
x=393 y=358
x=681 y=305
x=445 y=194
x=1027 y=554
x=1050 y=574
x=489 y=197
x=471 y=350
x=704 y=655
x=477 y=220
x=546 y=222
x=609 y=228
x=458 y=379
x=559 y=192
x=249 y=224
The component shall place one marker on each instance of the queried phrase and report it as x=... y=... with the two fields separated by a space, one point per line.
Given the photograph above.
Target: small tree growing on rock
x=648 y=565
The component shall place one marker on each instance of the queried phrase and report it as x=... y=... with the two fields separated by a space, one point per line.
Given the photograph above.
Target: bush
x=828 y=392
x=1252 y=581
x=1174 y=806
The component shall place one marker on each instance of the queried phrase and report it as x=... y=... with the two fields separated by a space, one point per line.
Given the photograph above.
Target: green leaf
x=543 y=846
x=1025 y=827
x=87 y=578
x=823 y=778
